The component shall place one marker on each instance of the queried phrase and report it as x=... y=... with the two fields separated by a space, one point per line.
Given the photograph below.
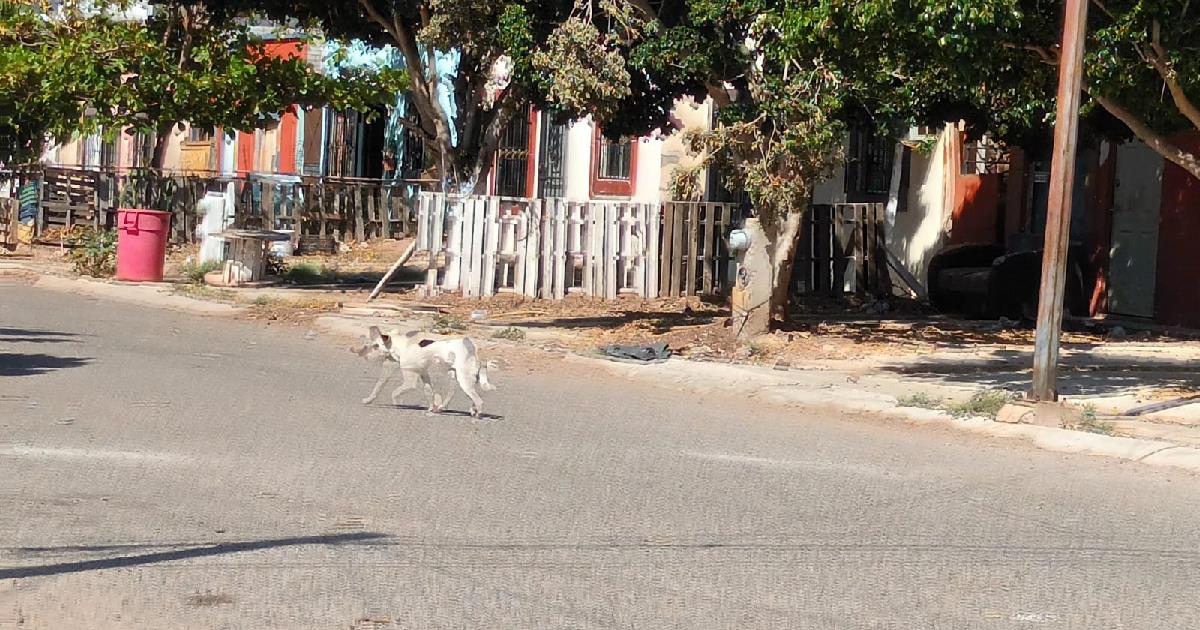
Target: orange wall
x=1177 y=291
x=245 y=152
x=287 y=141
x=288 y=124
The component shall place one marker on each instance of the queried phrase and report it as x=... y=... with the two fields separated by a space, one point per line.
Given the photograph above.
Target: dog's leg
x=385 y=375
x=466 y=381
x=440 y=403
x=409 y=384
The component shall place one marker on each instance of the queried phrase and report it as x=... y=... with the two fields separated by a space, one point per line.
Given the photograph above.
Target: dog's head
x=376 y=341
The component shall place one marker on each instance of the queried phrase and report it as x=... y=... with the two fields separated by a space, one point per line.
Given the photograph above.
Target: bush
x=93 y=252
x=920 y=400
x=987 y=404
x=307 y=273
x=509 y=334
x=447 y=325
x=195 y=272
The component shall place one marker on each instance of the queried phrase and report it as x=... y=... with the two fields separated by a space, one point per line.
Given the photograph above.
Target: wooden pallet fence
x=553 y=248
x=695 y=258
x=841 y=251
x=322 y=208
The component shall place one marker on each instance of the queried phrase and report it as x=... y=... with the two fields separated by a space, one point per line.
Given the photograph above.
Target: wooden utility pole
x=1058 y=211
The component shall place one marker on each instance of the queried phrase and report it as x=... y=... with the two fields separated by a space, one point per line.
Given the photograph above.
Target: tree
x=473 y=64
x=89 y=66
x=1141 y=65
x=790 y=76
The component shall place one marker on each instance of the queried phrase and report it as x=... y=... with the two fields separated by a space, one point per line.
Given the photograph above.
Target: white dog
x=415 y=355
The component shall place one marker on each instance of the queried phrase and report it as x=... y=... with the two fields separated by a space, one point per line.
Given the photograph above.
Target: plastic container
x=142 y=244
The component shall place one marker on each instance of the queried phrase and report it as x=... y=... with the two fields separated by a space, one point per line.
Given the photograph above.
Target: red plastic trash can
x=142 y=244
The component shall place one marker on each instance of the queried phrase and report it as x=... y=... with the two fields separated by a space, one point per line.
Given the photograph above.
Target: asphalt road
x=161 y=470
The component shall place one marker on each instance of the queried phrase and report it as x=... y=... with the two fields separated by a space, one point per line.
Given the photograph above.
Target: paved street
x=161 y=470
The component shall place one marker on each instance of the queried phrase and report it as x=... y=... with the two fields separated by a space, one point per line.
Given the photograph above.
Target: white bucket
x=283 y=249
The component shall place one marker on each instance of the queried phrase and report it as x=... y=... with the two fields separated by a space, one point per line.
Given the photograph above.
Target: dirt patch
x=292 y=311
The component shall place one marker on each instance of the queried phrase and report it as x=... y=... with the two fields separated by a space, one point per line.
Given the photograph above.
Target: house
x=1134 y=217
x=539 y=157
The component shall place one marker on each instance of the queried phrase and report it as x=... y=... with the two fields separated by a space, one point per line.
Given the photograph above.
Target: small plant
x=195 y=272
x=986 y=404
x=509 y=334
x=262 y=300
x=93 y=252
x=1091 y=423
x=447 y=325
x=307 y=273
x=685 y=182
x=920 y=400
x=756 y=349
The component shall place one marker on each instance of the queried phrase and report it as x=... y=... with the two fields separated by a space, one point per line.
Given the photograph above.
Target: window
x=868 y=165
x=615 y=159
x=614 y=166
x=199 y=134
x=512 y=159
x=983 y=158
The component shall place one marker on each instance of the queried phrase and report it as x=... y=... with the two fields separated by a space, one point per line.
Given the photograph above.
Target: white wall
x=920 y=230
x=579 y=160
x=648 y=185
x=833 y=189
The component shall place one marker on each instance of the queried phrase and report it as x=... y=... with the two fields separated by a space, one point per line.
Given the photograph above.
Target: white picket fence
x=480 y=246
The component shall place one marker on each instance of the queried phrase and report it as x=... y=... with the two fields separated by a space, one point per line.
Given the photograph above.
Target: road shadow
x=16 y=364
x=201 y=551
x=486 y=417
x=1080 y=374
x=23 y=335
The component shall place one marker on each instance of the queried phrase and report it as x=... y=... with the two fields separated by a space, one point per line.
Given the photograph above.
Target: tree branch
x=1184 y=159
x=427 y=107
x=1157 y=57
x=1103 y=9
x=416 y=128
x=490 y=141
x=1047 y=55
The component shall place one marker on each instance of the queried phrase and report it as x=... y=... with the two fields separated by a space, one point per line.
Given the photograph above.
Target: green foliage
x=447 y=325
x=93 y=252
x=685 y=181
x=580 y=71
x=1090 y=422
x=308 y=273
x=920 y=400
x=509 y=334
x=194 y=272
x=986 y=404
x=80 y=70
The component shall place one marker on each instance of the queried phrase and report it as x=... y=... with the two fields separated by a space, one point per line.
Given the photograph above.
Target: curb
x=154 y=295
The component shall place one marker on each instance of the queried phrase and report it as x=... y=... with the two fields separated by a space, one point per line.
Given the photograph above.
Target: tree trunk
x=766 y=275
x=162 y=139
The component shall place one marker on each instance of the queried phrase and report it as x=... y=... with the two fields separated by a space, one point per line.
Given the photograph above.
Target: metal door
x=1134 y=253
x=552 y=160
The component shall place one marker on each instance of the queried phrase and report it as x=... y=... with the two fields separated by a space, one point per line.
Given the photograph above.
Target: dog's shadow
x=486 y=417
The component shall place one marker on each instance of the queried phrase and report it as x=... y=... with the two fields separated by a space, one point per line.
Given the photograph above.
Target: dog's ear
x=378 y=337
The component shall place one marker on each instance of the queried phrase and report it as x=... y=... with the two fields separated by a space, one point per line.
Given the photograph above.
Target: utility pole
x=1058 y=211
